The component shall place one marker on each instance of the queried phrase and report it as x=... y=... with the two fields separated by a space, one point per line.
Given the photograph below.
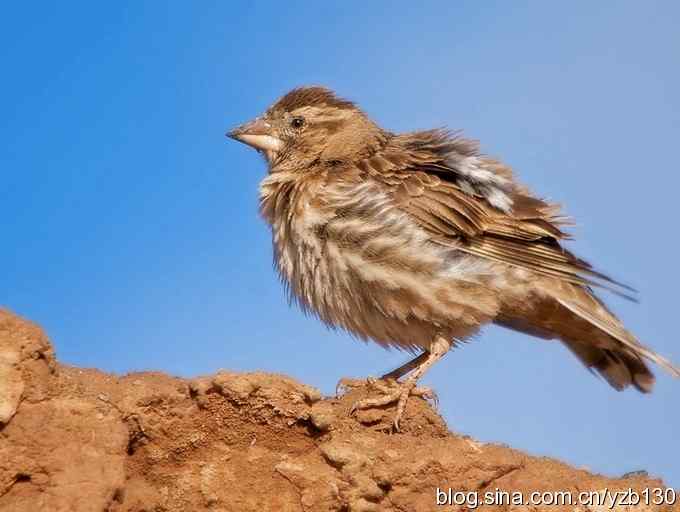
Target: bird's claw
x=392 y=391
x=427 y=394
x=344 y=385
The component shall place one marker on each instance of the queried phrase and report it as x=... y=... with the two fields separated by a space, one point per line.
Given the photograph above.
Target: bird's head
x=310 y=125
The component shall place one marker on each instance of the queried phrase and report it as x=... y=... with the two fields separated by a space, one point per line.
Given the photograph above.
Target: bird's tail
x=573 y=314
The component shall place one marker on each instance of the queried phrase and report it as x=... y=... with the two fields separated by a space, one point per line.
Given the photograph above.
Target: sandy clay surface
x=81 y=440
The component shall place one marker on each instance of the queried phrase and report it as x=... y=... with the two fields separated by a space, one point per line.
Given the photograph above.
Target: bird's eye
x=297 y=122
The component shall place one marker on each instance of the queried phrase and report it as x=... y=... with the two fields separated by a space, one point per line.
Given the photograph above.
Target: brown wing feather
x=471 y=203
x=424 y=173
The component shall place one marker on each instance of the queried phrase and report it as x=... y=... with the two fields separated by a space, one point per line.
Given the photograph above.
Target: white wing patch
x=475 y=178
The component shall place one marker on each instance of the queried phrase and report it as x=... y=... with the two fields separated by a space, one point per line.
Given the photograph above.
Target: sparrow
x=417 y=240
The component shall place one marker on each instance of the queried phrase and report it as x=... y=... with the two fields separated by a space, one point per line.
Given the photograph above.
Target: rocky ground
x=76 y=439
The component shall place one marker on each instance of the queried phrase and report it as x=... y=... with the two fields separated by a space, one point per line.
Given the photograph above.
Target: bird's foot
x=392 y=391
x=345 y=385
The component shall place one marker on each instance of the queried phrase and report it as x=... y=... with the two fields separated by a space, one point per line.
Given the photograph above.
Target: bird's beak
x=258 y=134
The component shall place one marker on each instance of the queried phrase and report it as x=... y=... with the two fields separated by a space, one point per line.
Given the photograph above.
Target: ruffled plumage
x=411 y=239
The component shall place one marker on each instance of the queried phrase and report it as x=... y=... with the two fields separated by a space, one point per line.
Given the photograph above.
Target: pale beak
x=257 y=133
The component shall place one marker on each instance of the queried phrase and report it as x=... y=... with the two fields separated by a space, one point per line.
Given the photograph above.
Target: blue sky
x=131 y=231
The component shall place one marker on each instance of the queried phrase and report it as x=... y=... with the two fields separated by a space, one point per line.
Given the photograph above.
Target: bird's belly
x=404 y=300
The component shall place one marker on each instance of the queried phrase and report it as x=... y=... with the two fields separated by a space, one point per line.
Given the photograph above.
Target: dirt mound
x=81 y=440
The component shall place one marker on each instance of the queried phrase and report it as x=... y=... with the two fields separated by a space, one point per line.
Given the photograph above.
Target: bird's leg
x=398 y=373
x=400 y=391
x=382 y=383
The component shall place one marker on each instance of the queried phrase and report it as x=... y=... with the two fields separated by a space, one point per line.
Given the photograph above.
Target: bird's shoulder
x=468 y=201
x=442 y=179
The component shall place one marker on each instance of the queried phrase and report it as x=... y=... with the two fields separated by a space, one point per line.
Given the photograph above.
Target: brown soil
x=73 y=439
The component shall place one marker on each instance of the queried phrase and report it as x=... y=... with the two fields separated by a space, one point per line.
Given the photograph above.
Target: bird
x=417 y=240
